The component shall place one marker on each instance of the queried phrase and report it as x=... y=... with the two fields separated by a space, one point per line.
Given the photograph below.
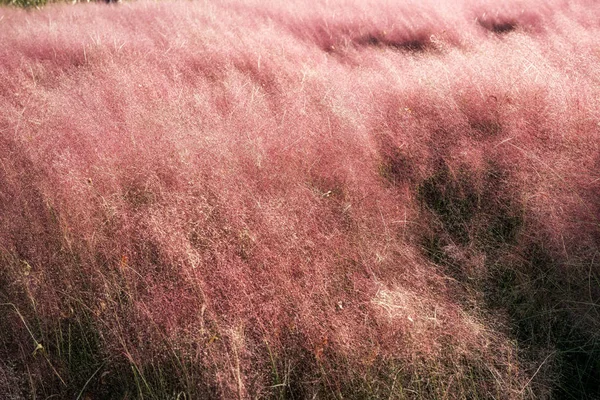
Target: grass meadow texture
x=300 y=200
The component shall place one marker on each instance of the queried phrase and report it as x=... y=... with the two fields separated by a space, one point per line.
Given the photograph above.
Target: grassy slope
x=331 y=199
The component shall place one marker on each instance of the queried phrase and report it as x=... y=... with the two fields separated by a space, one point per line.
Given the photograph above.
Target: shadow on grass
x=552 y=313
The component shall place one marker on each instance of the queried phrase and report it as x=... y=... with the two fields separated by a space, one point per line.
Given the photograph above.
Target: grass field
x=300 y=199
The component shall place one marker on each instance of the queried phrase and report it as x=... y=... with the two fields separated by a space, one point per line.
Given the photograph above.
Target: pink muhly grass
x=295 y=200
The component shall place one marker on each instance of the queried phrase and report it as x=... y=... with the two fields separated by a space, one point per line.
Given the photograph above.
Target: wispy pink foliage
x=231 y=180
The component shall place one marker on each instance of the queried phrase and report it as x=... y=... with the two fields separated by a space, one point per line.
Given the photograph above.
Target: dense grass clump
x=300 y=199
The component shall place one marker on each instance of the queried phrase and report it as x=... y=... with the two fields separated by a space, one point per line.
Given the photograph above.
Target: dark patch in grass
x=434 y=248
x=545 y=322
x=292 y=366
x=497 y=26
x=396 y=167
x=504 y=226
x=579 y=368
x=416 y=44
x=524 y=278
x=139 y=196
x=502 y=214
x=11 y=381
x=453 y=199
x=471 y=211
x=79 y=349
x=486 y=127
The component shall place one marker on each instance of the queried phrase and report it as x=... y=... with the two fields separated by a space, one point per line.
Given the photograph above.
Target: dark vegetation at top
x=499 y=27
